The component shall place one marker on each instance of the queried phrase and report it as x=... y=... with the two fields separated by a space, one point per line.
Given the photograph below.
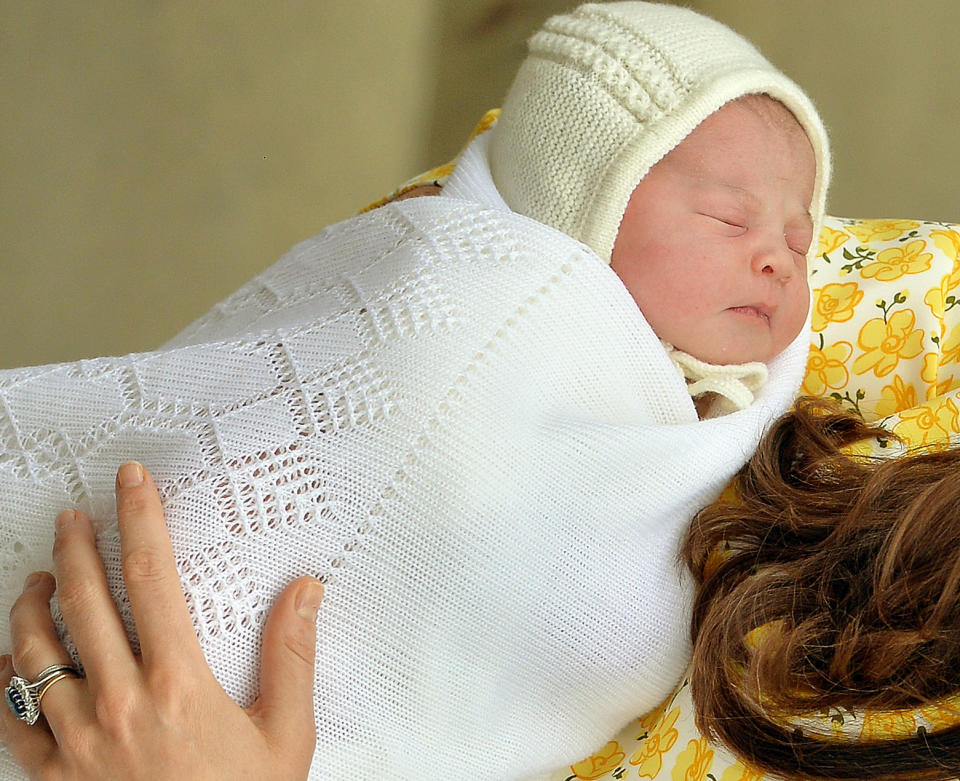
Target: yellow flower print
x=731 y=493
x=834 y=303
x=929 y=425
x=825 y=368
x=878 y=725
x=694 y=762
x=937 y=384
x=894 y=262
x=650 y=754
x=741 y=772
x=862 y=448
x=931 y=367
x=606 y=759
x=950 y=347
x=831 y=240
x=936 y=298
x=943 y=714
x=764 y=633
x=943 y=387
x=881 y=230
x=896 y=397
x=715 y=558
x=885 y=343
x=947 y=242
x=652 y=717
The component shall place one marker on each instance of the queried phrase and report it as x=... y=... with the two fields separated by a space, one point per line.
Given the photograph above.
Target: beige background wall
x=155 y=155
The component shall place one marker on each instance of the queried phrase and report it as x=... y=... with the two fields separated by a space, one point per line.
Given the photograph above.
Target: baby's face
x=713 y=242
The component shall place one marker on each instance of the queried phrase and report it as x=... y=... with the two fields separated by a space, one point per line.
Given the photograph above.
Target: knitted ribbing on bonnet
x=604 y=94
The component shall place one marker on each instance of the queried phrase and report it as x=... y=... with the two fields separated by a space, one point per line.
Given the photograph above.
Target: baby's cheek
x=798 y=319
x=805 y=300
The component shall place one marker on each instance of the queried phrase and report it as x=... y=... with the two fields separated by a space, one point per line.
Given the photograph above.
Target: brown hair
x=852 y=565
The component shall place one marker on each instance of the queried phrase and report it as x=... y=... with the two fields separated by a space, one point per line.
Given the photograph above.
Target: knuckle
x=171 y=690
x=302 y=648
x=131 y=503
x=142 y=565
x=160 y=681
x=76 y=595
x=16 y=609
x=117 y=710
x=26 y=651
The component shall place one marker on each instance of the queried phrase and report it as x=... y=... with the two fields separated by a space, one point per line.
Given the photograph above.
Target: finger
x=35 y=642
x=31 y=746
x=88 y=609
x=159 y=610
x=284 y=709
x=36 y=647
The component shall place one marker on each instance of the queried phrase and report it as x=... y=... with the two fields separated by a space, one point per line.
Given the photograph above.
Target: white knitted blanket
x=459 y=419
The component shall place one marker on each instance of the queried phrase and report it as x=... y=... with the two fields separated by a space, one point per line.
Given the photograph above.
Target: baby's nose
x=777 y=262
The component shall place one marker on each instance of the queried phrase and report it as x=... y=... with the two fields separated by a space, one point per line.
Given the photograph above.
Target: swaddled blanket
x=459 y=419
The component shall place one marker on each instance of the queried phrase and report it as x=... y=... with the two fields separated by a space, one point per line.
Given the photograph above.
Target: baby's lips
x=759 y=311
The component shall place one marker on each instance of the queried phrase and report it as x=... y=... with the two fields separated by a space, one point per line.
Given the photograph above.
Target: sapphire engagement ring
x=23 y=697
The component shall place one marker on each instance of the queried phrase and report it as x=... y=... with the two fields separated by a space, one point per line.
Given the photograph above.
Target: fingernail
x=308 y=601
x=33 y=579
x=130 y=474
x=65 y=518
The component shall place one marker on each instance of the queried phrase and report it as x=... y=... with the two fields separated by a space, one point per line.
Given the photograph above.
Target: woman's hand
x=161 y=715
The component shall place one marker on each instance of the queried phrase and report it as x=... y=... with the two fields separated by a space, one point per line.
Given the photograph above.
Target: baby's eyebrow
x=747 y=198
x=751 y=199
x=743 y=194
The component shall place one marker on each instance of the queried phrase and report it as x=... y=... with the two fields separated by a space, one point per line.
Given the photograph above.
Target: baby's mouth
x=756 y=311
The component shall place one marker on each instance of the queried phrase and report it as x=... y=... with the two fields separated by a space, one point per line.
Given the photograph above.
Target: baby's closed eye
x=799 y=240
x=735 y=223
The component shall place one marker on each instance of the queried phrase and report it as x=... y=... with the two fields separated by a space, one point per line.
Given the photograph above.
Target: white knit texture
x=459 y=419
x=732 y=384
x=609 y=89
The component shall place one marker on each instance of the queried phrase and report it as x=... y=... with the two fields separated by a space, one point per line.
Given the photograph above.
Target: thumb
x=284 y=709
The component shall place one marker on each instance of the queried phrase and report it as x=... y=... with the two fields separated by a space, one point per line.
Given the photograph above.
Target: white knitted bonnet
x=605 y=92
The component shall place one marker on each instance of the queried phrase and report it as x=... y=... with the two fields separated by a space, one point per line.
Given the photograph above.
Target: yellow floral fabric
x=886 y=325
x=885 y=343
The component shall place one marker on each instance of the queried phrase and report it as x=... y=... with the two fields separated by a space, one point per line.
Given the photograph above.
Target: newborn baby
x=714 y=240
x=485 y=441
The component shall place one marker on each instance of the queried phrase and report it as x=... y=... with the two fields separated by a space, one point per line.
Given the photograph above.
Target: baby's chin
x=716 y=352
x=736 y=338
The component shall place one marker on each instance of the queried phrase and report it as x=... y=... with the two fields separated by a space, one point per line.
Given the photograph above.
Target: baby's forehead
x=770 y=109
x=752 y=122
x=751 y=113
x=751 y=151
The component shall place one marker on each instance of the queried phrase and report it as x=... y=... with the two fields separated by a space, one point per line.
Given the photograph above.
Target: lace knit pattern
x=414 y=406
